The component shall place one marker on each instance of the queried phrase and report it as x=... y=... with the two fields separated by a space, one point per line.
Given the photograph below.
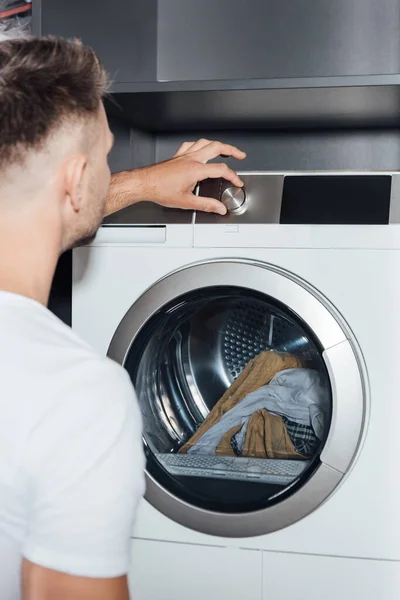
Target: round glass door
x=237 y=400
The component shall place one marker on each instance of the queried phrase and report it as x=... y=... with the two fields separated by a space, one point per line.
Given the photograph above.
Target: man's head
x=54 y=136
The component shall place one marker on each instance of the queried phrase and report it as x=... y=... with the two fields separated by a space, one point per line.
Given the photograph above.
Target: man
x=71 y=462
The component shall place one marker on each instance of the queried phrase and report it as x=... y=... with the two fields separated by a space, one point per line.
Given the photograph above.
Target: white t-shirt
x=71 y=456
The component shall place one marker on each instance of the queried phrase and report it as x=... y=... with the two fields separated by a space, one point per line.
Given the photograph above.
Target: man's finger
x=192 y=146
x=199 y=144
x=204 y=204
x=215 y=170
x=214 y=149
x=184 y=148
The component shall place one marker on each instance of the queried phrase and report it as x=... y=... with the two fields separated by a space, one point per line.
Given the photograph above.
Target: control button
x=233 y=198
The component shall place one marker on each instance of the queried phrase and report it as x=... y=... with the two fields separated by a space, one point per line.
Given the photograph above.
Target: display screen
x=336 y=199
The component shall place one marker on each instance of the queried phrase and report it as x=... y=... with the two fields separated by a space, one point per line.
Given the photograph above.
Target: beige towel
x=266 y=437
x=258 y=372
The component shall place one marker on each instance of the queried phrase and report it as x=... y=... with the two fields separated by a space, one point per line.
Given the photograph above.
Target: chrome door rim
x=344 y=365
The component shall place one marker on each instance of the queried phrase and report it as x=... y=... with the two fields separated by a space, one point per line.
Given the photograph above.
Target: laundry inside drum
x=235 y=398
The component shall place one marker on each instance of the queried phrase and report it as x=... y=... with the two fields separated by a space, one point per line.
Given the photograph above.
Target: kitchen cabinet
x=269 y=39
x=122 y=32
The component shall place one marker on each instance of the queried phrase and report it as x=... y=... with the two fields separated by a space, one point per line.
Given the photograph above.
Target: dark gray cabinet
x=262 y=39
x=192 y=65
x=122 y=32
x=296 y=83
x=221 y=44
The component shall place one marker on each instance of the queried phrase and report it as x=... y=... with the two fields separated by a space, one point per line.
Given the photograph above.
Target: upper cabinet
x=229 y=40
x=122 y=32
x=249 y=64
x=253 y=39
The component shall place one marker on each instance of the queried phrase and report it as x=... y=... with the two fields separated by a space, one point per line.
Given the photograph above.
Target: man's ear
x=75 y=181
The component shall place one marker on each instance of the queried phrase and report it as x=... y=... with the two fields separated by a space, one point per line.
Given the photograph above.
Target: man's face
x=98 y=172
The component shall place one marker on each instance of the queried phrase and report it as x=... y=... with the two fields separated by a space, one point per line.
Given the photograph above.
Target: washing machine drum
x=237 y=403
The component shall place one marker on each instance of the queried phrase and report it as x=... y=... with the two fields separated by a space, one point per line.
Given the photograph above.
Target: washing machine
x=304 y=269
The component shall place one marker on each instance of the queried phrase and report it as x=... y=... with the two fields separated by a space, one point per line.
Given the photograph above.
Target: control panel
x=306 y=198
x=295 y=198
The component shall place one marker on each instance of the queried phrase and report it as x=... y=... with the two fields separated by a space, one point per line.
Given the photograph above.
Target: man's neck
x=28 y=259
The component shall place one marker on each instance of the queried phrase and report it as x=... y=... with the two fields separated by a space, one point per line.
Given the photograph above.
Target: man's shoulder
x=86 y=371
x=79 y=383
x=63 y=347
x=56 y=361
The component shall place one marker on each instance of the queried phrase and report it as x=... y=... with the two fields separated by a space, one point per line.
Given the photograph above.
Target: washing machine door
x=251 y=392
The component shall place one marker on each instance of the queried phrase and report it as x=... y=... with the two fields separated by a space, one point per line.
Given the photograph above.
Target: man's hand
x=171 y=183
x=174 y=180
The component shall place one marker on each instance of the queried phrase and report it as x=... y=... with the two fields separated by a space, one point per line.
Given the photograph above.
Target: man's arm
x=171 y=182
x=84 y=471
x=40 y=583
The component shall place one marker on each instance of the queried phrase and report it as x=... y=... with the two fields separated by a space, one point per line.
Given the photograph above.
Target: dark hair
x=43 y=83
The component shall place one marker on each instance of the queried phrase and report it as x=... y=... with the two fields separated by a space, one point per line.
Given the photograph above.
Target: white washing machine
x=304 y=265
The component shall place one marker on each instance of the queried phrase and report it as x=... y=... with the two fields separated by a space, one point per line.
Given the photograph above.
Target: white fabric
x=301 y=395
x=71 y=457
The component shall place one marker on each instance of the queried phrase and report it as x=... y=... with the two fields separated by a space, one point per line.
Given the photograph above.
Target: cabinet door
x=302 y=577
x=122 y=32
x=260 y=39
x=166 y=571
